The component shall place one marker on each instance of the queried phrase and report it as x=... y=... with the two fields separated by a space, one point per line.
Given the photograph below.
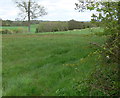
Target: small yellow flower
x=73 y=64
x=81 y=59
x=67 y=64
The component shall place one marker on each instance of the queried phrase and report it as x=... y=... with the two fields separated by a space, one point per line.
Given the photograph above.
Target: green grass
x=33 y=29
x=25 y=28
x=47 y=64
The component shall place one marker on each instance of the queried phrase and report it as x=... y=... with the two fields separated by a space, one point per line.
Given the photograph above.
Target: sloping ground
x=47 y=64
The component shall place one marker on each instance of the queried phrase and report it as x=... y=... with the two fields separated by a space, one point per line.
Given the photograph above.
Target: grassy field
x=24 y=28
x=48 y=64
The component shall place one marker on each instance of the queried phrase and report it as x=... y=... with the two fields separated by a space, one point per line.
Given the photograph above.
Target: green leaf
x=99 y=10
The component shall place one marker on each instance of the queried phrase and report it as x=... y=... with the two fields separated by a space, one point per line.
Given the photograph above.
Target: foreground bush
x=112 y=49
x=103 y=80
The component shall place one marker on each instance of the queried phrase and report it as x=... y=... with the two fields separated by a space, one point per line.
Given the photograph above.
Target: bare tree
x=30 y=10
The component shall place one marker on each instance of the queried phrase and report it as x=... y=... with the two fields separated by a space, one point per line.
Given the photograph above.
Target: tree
x=108 y=14
x=30 y=10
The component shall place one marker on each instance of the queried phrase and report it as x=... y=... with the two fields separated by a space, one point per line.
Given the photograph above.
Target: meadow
x=48 y=64
x=23 y=28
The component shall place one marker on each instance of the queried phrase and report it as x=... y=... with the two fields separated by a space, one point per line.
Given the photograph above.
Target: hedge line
x=62 y=26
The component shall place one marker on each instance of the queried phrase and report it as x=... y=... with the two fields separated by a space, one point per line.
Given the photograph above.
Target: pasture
x=48 y=64
x=23 y=28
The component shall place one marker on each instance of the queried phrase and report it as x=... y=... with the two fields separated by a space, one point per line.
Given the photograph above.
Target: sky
x=58 y=10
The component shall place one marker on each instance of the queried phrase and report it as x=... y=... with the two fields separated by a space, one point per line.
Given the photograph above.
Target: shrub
x=52 y=27
x=102 y=81
x=18 y=30
x=72 y=24
x=105 y=79
x=111 y=48
x=101 y=33
x=6 y=31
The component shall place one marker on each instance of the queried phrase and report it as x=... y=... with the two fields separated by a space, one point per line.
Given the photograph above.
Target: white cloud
x=8 y=10
x=57 y=10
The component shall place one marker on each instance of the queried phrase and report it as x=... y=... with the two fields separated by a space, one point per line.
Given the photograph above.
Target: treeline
x=54 y=26
x=45 y=26
x=18 y=23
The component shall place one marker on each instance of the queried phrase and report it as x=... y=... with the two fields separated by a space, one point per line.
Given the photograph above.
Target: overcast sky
x=62 y=10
